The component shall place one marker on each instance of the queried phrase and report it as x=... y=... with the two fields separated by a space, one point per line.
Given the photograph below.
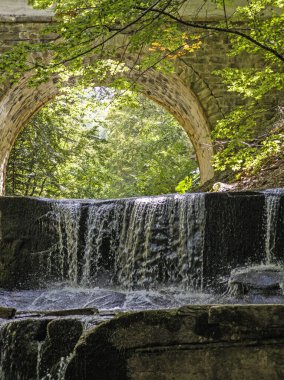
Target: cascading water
x=100 y=242
x=136 y=254
x=161 y=243
x=140 y=243
x=272 y=204
x=136 y=243
x=39 y=357
x=63 y=259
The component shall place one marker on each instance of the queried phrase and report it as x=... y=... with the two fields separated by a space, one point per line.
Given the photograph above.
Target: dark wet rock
x=31 y=349
x=59 y=313
x=234 y=235
x=62 y=336
x=7 y=312
x=263 y=280
x=69 y=312
x=193 y=342
x=23 y=240
x=33 y=241
x=19 y=342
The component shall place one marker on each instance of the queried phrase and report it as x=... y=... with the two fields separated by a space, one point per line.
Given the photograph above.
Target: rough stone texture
x=195 y=96
x=194 y=342
x=21 y=220
x=7 y=312
x=31 y=349
x=234 y=237
x=62 y=336
x=19 y=343
x=263 y=280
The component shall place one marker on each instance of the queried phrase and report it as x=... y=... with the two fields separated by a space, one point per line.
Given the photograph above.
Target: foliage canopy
x=84 y=29
x=87 y=144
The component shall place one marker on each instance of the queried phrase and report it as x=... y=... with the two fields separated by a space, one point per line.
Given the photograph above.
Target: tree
x=45 y=154
x=151 y=153
x=69 y=150
x=156 y=33
x=83 y=29
x=253 y=132
x=88 y=27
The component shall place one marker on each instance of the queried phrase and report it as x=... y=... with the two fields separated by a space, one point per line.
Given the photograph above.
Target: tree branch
x=218 y=29
x=102 y=43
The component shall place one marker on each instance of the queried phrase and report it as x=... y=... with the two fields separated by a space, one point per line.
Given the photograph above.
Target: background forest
x=136 y=148
x=98 y=143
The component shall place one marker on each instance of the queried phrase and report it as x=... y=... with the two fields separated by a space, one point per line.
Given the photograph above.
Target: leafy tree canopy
x=103 y=28
x=156 y=33
x=95 y=144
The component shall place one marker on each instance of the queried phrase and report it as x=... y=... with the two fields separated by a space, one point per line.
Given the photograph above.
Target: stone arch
x=171 y=93
x=22 y=101
x=17 y=106
x=194 y=94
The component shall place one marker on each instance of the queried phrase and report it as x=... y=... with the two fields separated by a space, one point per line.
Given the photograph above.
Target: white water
x=162 y=242
x=272 y=204
x=68 y=219
x=38 y=362
x=147 y=253
x=67 y=297
x=136 y=243
x=101 y=225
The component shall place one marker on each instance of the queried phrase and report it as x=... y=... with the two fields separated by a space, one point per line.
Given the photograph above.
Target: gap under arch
x=21 y=102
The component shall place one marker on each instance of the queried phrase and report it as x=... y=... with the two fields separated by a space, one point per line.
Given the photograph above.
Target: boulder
x=265 y=280
x=7 y=312
x=33 y=348
x=193 y=342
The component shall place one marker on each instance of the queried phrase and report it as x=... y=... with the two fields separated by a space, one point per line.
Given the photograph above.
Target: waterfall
x=100 y=241
x=272 y=204
x=67 y=223
x=8 y=367
x=64 y=361
x=135 y=243
x=161 y=242
x=3 y=352
x=61 y=371
x=39 y=357
x=191 y=215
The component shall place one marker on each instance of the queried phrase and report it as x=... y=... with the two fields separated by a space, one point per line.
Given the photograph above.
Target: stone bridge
x=192 y=94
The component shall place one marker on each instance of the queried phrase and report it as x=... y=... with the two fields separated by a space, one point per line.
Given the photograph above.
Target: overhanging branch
x=236 y=32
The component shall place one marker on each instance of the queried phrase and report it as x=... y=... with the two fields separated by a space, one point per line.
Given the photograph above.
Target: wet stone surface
x=192 y=240
x=260 y=280
x=138 y=288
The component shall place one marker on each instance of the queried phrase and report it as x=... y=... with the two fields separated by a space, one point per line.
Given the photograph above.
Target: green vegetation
x=254 y=131
x=90 y=144
x=84 y=29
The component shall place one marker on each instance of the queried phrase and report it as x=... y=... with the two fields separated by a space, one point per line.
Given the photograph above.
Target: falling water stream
x=134 y=254
x=272 y=204
x=138 y=243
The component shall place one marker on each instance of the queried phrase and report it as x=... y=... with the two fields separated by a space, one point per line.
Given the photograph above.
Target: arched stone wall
x=22 y=101
x=196 y=97
x=16 y=108
x=170 y=92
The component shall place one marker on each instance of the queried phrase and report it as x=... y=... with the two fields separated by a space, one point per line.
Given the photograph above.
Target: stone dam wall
x=192 y=241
